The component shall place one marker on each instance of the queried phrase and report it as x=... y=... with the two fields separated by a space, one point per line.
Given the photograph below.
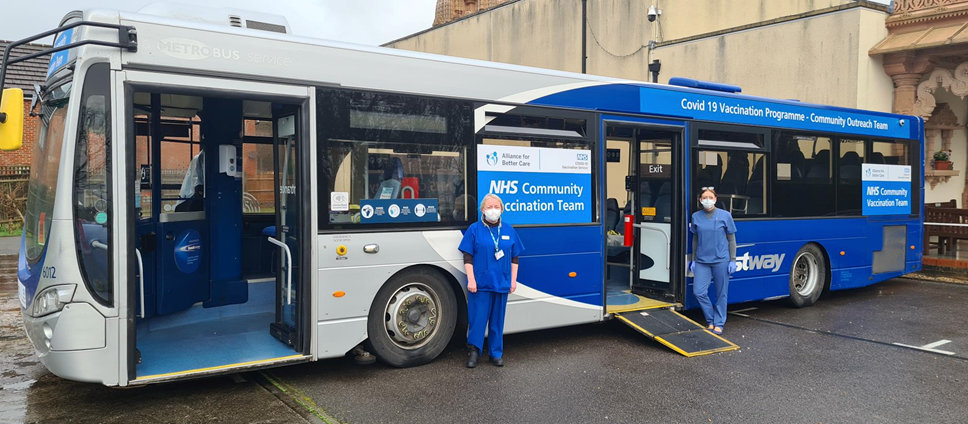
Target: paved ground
x=835 y=362
x=9 y=245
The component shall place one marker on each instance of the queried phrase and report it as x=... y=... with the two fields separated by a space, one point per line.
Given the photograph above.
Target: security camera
x=653 y=13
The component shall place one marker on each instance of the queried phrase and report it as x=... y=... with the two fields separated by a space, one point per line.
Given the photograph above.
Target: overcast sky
x=371 y=22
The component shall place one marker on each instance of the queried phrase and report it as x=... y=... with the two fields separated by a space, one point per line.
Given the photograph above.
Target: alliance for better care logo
x=492 y=159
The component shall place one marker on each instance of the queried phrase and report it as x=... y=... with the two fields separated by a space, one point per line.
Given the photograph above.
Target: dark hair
x=711 y=190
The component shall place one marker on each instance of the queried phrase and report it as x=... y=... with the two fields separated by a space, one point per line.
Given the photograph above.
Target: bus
x=210 y=193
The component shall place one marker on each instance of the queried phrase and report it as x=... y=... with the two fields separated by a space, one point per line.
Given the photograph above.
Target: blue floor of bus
x=225 y=341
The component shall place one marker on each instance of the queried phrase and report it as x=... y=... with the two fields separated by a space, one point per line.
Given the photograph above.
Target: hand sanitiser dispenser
x=228 y=162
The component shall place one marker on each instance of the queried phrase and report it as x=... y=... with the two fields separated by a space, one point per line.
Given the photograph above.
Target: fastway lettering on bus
x=749 y=263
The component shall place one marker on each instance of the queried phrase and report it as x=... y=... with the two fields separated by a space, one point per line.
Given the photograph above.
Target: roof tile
x=25 y=74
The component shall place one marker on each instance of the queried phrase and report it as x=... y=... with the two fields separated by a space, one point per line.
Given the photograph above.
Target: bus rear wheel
x=412 y=319
x=808 y=276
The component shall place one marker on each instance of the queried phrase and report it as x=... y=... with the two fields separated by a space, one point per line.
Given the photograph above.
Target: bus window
x=379 y=151
x=804 y=176
x=890 y=153
x=733 y=162
x=849 y=162
x=737 y=177
x=92 y=184
x=257 y=167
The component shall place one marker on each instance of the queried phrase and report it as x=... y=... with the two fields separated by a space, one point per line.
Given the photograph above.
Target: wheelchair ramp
x=676 y=332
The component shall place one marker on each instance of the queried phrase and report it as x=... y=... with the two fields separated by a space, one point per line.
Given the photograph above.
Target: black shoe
x=472 y=357
x=497 y=362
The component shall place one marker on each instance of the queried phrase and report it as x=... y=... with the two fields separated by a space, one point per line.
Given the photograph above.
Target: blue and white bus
x=210 y=194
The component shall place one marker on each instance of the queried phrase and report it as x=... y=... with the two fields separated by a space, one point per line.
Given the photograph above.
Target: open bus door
x=288 y=229
x=655 y=217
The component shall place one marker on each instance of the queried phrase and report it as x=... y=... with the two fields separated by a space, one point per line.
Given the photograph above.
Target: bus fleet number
x=48 y=272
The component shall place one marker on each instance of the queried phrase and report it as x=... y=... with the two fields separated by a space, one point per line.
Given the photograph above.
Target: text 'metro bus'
x=213 y=194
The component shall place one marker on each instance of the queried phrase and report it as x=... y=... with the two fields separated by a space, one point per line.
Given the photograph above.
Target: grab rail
x=642 y=226
x=141 y=278
x=288 y=268
x=127 y=39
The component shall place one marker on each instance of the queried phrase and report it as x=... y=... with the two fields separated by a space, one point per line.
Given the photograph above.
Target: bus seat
x=663 y=203
x=735 y=179
x=850 y=166
x=755 y=191
x=645 y=194
x=710 y=175
x=392 y=180
x=612 y=217
x=757 y=171
x=820 y=168
x=877 y=157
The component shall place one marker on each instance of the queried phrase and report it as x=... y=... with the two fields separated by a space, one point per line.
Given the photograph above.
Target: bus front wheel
x=412 y=319
x=808 y=276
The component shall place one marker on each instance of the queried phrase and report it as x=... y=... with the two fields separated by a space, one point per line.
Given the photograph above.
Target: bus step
x=676 y=332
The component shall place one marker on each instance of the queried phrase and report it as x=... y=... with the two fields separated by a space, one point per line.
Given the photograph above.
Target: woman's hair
x=711 y=190
x=491 y=196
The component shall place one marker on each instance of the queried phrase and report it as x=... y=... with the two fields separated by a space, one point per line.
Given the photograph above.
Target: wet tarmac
x=834 y=362
x=839 y=361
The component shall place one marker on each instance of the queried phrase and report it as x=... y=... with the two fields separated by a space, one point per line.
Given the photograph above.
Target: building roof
x=25 y=74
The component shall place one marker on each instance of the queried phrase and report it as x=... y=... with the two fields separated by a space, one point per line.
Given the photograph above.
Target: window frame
x=766 y=150
x=324 y=131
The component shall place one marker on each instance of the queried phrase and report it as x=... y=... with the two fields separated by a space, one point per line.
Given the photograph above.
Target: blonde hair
x=491 y=196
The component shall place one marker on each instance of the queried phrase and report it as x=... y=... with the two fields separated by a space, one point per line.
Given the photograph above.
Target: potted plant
x=941 y=162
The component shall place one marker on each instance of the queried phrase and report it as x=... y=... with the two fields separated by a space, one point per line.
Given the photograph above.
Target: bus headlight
x=52 y=299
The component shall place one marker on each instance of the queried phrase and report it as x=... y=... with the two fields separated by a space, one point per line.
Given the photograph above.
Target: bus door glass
x=287 y=231
x=655 y=211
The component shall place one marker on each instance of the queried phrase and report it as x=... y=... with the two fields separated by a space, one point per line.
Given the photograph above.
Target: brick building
x=451 y=10
x=24 y=75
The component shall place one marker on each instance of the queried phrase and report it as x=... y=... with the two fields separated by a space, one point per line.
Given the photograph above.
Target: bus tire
x=412 y=319
x=808 y=276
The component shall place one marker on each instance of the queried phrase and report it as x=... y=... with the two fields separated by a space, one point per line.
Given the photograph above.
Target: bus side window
x=804 y=182
x=92 y=184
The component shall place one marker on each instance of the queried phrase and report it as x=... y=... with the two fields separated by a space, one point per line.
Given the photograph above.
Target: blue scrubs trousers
x=717 y=273
x=485 y=310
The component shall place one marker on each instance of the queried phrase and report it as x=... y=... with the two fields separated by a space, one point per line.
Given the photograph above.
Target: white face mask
x=708 y=203
x=492 y=214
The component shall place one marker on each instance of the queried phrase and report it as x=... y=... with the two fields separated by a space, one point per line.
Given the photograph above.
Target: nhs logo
x=582 y=156
x=504 y=187
x=770 y=262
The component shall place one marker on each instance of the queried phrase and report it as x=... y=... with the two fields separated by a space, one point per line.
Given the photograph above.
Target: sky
x=372 y=22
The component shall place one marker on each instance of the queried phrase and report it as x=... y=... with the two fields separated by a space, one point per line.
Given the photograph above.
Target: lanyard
x=492 y=235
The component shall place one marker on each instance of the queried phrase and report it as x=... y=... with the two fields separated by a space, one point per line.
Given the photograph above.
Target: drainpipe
x=584 y=34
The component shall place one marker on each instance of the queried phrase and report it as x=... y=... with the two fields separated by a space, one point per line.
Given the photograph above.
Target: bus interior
x=640 y=182
x=214 y=217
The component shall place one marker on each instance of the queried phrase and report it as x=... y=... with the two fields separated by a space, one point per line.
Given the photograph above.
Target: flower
x=942 y=155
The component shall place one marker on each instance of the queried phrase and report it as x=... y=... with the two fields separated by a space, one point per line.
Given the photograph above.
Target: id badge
x=499 y=254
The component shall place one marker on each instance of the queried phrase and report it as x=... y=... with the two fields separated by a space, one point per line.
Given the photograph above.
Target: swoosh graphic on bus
x=445 y=244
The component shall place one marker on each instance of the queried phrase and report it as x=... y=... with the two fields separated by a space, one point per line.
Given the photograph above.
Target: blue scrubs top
x=491 y=274
x=713 y=246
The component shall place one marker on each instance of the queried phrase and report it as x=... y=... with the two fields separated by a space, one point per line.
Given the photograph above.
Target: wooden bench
x=948 y=235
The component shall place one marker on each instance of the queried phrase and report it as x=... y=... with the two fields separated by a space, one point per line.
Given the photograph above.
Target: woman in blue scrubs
x=714 y=257
x=491 y=249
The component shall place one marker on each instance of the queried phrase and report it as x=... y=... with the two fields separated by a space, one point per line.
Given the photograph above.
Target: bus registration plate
x=22 y=294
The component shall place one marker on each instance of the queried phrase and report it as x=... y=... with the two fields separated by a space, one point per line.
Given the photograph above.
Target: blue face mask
x=708 y=203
